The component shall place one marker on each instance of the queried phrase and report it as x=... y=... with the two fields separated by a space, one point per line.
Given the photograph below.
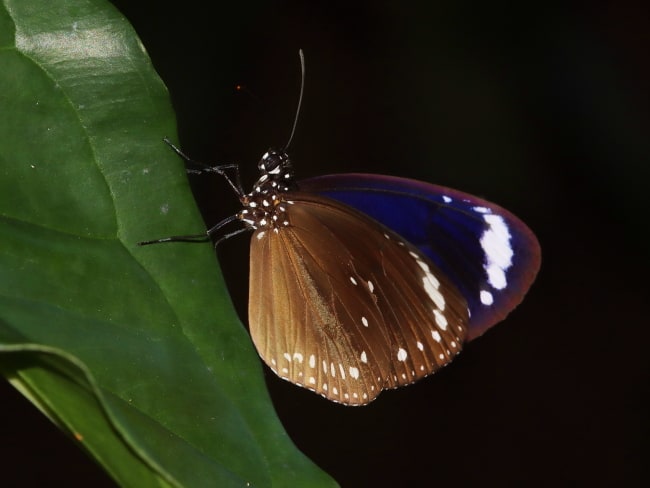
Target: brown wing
x=341 y=305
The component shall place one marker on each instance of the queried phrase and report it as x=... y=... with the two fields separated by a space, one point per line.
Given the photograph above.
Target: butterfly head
x=275 y=166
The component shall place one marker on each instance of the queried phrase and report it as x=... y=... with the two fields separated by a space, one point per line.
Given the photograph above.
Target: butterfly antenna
x=302 y=89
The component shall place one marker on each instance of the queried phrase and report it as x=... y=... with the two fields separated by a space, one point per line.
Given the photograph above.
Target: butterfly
x=360 y=283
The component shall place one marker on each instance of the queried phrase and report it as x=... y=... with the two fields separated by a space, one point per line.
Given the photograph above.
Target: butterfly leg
x=187 y=238
x=229 y=235
x=206 y=236
x=220 y=170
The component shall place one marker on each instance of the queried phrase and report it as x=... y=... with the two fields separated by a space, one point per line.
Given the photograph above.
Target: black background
x=541 y=109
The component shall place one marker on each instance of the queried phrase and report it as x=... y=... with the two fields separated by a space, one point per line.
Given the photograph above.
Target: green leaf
x=136 y=352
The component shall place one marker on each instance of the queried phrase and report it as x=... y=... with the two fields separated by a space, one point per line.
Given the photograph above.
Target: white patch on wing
x=354 y=372
x=495 y=242
x=401 y=354
x=486 y=297
x=483 y=210
x=441 y=320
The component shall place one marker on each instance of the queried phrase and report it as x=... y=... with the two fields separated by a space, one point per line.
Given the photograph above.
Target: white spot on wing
x=401 y=354
x=483 y=210
x=354 y=372
x=486 y=297
x=430 y=282
x=433 y=293
x=441 y=320
x=423 y=265
x=364 y=321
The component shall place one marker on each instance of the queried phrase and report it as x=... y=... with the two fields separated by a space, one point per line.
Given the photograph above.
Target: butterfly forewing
x=490 y=255
x=341 y=305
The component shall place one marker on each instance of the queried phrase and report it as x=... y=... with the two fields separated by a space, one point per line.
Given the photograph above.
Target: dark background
x=541 y=109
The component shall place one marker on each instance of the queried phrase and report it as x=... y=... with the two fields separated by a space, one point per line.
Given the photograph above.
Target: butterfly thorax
x=265 y=206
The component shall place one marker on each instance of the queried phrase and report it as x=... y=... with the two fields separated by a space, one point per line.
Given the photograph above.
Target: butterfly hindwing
x=342 y=305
